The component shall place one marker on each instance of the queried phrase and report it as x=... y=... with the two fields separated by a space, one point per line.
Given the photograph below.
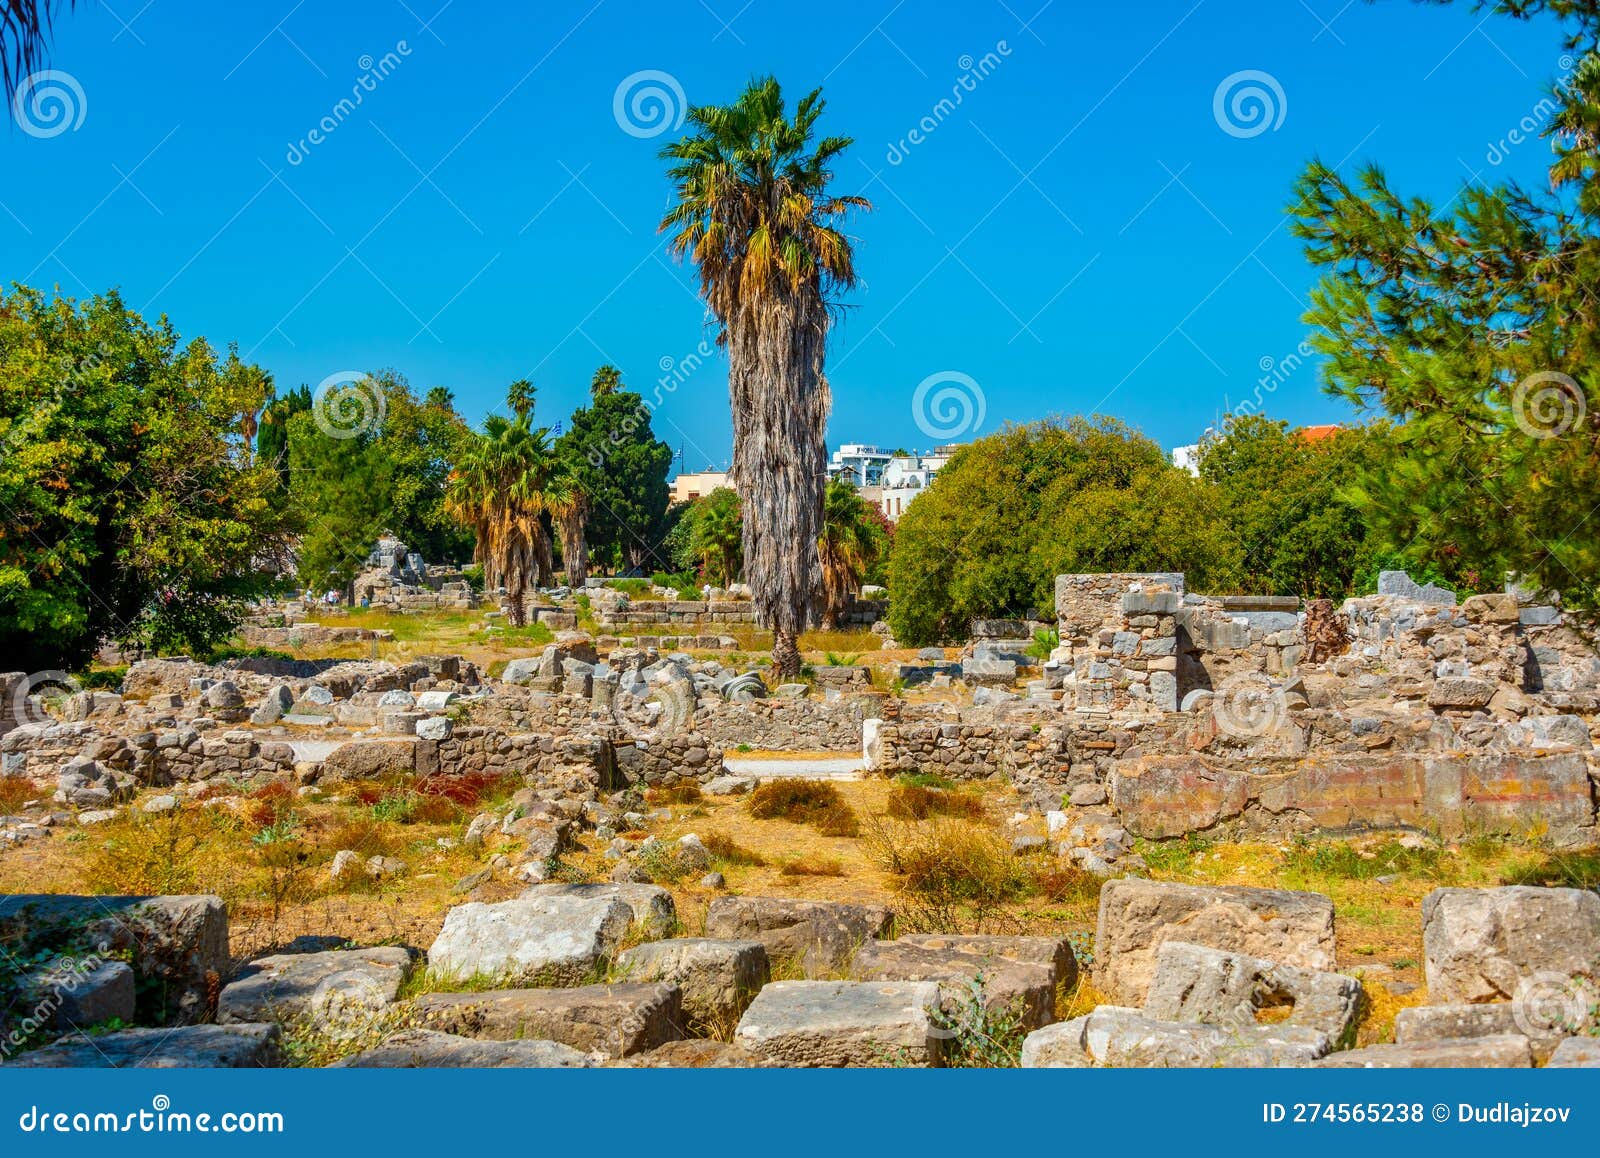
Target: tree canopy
x=134 y=508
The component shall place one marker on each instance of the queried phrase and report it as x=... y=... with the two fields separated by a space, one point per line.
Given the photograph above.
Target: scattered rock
x=844 y=1023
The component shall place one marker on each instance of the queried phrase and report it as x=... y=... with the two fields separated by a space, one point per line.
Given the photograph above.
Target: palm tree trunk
x=785 y=653
x=780 y=406
x=574 y=551
x=516 y=611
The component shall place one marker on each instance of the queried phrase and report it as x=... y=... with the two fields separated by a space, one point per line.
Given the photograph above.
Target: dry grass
x=814 y=802
x=915 y=802
x=685 y=792
x=813 y=866
x=15 y=791
x=728 y=852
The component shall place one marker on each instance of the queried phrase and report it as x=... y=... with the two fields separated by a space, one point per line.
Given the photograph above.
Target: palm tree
x=607 y=380
x=498 y=488
x=753 y=211
x=716 y=537
x=25 y=27
x=850 y=543
x=568 y=505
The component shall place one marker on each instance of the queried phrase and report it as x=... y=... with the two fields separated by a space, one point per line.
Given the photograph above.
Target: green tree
x=342 y=492
x=130 y=492
x=1286 y=499
x=1476 y=327
x=617 y=461
x=753 y=210
x=712 y=533
x=272 y=435
x=850 y=544
x=501 y=489
x=421 y=440
x=998 y=523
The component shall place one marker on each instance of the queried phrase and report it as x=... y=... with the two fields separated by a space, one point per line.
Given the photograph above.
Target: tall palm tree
x=753 y=211
x=498 y=488
x=25 y=27
x=850 y=543
x=568 y=505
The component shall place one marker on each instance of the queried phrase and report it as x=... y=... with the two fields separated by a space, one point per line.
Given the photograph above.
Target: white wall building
x=859 y=462
x=906 y=477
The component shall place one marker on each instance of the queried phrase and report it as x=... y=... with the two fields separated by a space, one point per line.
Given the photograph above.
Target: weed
x=1045 y=640
x=917 y=803
x=923 y=780
x=725 y=850
x=954 y=875
x=812 y=866
x=173 y=852
x=813 y=802
x=980 y=1034
x=834 y=659
x=684 y=792
x=15 y=791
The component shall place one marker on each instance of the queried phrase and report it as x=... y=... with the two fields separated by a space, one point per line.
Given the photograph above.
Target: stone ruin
x=397 y=578
x=1160 y=714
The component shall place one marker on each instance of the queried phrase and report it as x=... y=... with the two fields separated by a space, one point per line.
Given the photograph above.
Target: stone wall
x=1547 y=796
x=686 y=613
x=796 y=725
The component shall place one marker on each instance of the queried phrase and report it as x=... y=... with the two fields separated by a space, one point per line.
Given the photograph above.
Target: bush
x=684 y=792
x=725 y=850
x=1012 y=510
x=15 y=791
x=954 y=874
x=913 y=802
x=181 y=851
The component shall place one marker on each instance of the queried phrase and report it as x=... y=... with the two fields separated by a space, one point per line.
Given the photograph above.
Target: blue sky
x=1080 y=234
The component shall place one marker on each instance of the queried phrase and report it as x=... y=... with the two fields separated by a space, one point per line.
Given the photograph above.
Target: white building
x=1187 y=458
x=859 y=463
x=906 y=477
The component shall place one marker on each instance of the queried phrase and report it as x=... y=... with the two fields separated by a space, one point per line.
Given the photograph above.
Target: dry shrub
x=185 y=850
x=368 y=792
x=955 y=875
x=915 y=802
x=1065 y=884
x=466 y=790
x=368 y=837
x=813 y=802
x=15 y=791
x=724 y=848
x=683 y=792
x=813 y=866
x=270 y=804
